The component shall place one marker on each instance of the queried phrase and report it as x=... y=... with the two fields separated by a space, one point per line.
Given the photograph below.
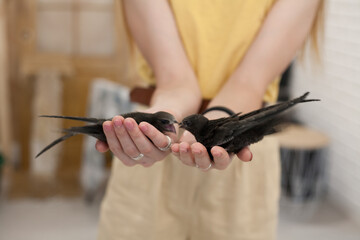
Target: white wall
x=337 y=83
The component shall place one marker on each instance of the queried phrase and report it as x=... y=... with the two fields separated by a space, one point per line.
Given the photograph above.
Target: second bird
x=237 y=131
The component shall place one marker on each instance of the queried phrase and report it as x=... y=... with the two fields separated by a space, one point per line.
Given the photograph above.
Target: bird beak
x=170 y=128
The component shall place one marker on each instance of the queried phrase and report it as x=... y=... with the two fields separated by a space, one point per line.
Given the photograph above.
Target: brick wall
x=337 y=83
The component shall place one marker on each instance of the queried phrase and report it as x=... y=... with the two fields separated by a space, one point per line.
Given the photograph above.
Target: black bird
x=163 y=121
x=237 y=131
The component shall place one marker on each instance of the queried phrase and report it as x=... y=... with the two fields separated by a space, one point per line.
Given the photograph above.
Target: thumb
x=101 y=146
x=245 y=154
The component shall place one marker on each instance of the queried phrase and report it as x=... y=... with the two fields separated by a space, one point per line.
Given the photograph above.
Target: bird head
x=194 y=123
x=165 y=121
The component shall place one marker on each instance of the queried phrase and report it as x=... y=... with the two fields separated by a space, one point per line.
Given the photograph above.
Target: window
x=76 y=27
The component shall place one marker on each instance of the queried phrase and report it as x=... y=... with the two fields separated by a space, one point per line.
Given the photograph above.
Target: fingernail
x=174 y=150
x=217 y=154
x=129 y=125
x=107 y=126
x=117 y=122
x=198 y=152
x=184 y=150
x=143 y=127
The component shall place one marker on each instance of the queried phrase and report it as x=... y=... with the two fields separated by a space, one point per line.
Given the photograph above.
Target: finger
x=245 y=154
x=114 y=144
x=185 y=154
x=111 y=137
x=159 y=139
x=201 y=156
x=101 y=146
x=137 y=142
x=175 y=149
x=128 y=146
x=143 y=144
x=221 y=158
x=190 y=138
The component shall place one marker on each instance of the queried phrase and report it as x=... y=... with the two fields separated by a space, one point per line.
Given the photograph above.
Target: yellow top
x=216 y=35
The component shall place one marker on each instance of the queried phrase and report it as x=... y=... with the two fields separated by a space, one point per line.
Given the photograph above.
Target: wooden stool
x=303 y=162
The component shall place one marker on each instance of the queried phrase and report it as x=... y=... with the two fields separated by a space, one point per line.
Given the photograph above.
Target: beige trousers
x=175 y=202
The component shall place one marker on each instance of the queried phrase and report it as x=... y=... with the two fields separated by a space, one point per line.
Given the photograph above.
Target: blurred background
x=71 y=57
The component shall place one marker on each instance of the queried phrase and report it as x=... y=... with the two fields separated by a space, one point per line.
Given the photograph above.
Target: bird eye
x=164 y=121
x=186 y=123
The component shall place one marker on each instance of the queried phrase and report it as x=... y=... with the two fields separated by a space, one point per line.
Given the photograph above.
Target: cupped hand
x=128 y=140
x=194 y=154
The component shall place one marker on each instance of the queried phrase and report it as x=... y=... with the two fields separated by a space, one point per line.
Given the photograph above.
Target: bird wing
x=217 y=132
x=84 y=119
x=276 y=108
x=220 y=135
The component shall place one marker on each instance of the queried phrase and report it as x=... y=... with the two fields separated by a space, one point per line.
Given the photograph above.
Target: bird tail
x=63 y=138
x=91 y=130
x=94 y=130
x=84 y=119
